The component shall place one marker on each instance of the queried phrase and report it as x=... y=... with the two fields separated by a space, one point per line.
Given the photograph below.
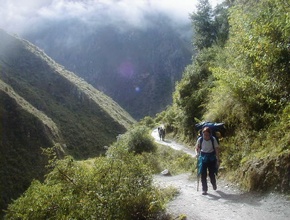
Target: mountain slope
x=23 y=132
x=87 y=119
x=137 y=67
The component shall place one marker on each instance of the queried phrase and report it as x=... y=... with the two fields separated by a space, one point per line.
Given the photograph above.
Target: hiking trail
x=226 y=203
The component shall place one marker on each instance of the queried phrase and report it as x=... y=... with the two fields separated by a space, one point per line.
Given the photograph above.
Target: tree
x=211 y=30
x=221 y=23
x=202 y=22
x=192 y=91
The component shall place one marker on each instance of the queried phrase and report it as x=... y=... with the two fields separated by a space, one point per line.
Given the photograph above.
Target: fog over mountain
x=18 y=16
x=134 y=51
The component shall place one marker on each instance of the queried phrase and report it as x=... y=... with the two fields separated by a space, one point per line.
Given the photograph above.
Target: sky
x=19 y=16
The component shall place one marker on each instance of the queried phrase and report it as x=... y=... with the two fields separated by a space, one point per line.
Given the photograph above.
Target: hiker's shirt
x=207 y=145
x=207 y=152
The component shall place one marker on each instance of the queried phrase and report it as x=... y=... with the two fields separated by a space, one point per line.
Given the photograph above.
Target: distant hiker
x=161 y=132
x=208 y=150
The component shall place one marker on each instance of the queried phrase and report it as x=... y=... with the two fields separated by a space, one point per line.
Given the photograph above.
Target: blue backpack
x=214 y=127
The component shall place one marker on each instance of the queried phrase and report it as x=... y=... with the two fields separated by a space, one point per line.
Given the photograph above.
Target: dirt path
x=172 y=144
x=226 y=203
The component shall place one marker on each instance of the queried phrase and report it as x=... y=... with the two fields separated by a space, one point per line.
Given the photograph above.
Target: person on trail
x=208 y=150
x=161 y=132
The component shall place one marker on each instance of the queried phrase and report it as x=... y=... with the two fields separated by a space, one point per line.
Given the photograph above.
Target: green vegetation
x=113 y=187
x=175 y=161
x=241 y=77
x=116 y=186
x=23 y=131
x=137 y=140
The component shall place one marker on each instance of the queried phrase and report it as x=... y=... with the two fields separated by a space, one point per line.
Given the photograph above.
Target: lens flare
x=126 y=69
x=137 y=89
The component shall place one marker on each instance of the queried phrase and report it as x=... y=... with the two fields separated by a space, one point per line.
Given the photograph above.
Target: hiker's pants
x=210 y=166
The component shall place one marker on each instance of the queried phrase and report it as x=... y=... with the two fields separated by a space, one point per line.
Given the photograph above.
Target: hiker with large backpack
x=207 y=149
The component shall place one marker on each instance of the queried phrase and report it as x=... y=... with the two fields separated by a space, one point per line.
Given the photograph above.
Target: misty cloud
x=24 y=16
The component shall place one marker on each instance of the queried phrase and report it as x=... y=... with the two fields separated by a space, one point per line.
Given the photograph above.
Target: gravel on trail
x=226 y=203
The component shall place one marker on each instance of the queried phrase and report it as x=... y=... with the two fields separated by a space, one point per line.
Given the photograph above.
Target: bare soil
x=228 y=202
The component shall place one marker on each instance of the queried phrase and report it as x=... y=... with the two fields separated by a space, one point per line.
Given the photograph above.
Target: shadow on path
x=244 y=198
x=167 y=141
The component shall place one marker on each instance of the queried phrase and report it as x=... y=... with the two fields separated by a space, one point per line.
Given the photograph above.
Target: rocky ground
x=226 y=203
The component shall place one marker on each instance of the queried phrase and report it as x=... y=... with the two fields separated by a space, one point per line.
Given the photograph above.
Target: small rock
x=166 y=172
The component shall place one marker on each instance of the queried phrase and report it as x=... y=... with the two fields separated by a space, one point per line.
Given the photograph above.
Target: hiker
x=208 y=150
x=161 y=132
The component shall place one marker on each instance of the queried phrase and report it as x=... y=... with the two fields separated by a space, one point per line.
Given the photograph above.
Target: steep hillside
x=23 y=132
x=137 y=67
x=87 y=119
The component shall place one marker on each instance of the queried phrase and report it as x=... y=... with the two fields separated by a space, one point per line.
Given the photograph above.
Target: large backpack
x=214 y=127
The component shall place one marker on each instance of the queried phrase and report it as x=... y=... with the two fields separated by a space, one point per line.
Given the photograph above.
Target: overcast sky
x=18 y=15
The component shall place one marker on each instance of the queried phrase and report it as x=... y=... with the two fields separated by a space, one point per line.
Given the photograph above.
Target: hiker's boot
x=204 y=192
x=214 y=187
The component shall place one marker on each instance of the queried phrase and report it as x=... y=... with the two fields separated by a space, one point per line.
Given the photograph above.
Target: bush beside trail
x=118 y=185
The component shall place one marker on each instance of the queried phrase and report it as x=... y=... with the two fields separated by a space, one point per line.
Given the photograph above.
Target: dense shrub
x=117 y=186
x=147 y=121
x=137 y=140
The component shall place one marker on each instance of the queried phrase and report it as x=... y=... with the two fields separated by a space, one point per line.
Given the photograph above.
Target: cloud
x=19 y=16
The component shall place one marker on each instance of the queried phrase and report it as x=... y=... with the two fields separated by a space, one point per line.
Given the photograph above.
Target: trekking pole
x=197 y=172
x=197 y=182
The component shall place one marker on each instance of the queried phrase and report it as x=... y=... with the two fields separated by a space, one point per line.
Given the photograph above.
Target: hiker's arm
x=197 y=151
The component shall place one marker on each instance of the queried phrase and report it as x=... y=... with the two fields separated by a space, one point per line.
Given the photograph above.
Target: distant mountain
x=43 y=104
x=137 y=67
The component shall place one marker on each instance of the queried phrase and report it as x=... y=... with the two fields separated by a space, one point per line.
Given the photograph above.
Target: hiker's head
x=206 y=133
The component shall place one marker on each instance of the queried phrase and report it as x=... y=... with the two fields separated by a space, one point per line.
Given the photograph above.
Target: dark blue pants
x=208 y=166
